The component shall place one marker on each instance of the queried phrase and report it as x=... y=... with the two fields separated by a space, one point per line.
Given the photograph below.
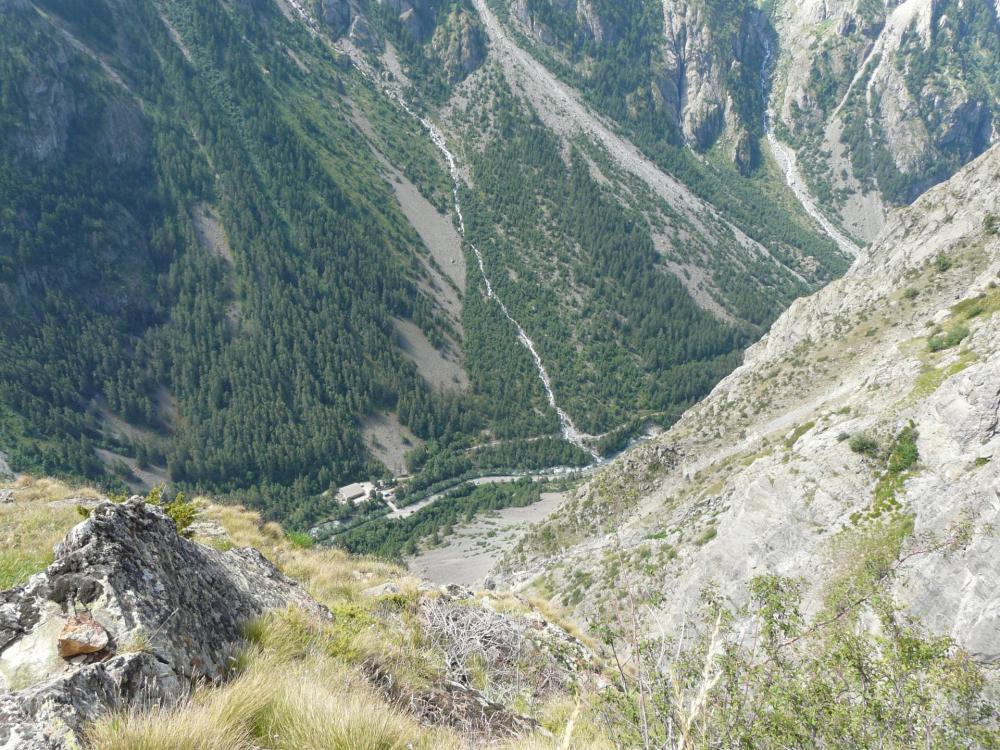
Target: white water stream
x=570 y=432
x=788 y=162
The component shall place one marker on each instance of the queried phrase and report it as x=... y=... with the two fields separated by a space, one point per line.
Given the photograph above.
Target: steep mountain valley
x=499 y=373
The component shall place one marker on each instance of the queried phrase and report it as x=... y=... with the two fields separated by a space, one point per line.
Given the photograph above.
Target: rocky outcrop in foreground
x=132 y=615
x=130 y=612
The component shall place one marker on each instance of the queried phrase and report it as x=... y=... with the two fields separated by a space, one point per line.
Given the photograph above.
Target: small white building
x=355 y=493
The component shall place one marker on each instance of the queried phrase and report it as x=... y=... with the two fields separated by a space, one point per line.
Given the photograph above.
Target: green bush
x=300 y=539
x=799 y=431
x=991 y=225
x=942 y=263
x=706 y=536
x=974 y=311
x=904 y=453
x=865 y=445
x=946 y=340
x=155 y=495
x=181 y=510
x=903 y=457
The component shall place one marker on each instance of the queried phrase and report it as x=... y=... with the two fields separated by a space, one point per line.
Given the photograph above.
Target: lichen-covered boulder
x=129 y=611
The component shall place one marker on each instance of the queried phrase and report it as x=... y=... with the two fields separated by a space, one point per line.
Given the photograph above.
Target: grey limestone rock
x=172 y=613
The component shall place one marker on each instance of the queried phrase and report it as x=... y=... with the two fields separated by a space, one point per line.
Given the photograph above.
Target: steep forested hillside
x=231 y=259
x=196 y=241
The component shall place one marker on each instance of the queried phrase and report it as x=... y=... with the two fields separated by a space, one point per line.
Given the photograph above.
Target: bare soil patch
x=210 y=232
x=435 y=229
x=699 y=286
x=141 y=480
x=474 y=549
x=440 y=370
x=389 y=441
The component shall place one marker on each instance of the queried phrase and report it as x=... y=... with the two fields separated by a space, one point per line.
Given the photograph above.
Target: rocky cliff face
x=338 y=15
x=709 y=63
x=797 y=451
x=883 y=100
x=452 y=36
x=887 y=101
x=57 y=104
x=128 y=612
x=416 y=17
x=579 y=21
x=704 y=65
x=459 y=44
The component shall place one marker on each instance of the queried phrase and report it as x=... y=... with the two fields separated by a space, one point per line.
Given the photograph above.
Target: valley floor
x=473 y=549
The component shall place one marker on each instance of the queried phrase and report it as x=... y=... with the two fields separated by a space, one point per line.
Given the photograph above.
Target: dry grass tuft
x=549 y=611
x=33 y=524
x=330 y=575
x=33 y=490
x=299 y=685
x=274 y=704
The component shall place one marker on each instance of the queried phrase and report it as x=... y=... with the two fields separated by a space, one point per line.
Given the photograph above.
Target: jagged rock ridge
x=766 y=479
